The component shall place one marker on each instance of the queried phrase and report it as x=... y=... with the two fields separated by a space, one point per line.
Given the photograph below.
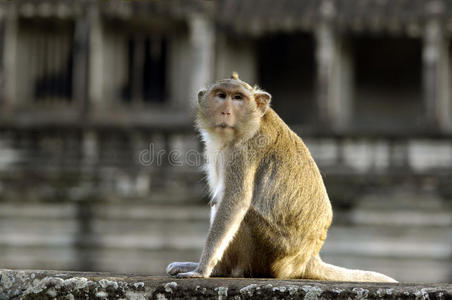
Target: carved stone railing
x=76 y=285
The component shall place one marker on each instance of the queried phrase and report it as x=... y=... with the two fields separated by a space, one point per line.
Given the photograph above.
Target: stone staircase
x=410 y=241
x=403 y=234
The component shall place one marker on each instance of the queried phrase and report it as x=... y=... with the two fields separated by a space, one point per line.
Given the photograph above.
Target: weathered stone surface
x=30 y=284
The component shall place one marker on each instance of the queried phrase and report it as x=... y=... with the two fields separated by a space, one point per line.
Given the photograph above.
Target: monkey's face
x=228 y=104
x=230 y=109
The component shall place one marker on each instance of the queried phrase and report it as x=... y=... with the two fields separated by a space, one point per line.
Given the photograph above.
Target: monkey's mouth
x=223 y=126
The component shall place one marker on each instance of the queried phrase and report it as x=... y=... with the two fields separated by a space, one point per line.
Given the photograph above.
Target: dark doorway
x=388 y=82
x=286 y=69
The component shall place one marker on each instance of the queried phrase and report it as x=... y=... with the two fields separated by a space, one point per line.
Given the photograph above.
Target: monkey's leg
x=175 y=268
x=318 y=270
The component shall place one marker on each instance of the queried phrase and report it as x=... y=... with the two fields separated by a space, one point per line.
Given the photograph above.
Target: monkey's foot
x=192 y=274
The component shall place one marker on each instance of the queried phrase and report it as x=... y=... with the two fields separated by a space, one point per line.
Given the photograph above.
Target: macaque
x=270 y=210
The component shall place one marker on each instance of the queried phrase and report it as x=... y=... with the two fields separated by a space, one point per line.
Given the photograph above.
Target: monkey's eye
x=238 y=97
x=221 y=95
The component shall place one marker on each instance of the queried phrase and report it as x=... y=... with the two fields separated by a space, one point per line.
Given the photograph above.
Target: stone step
x=370 y=241
x=114 y=210
x=102 y=259
x=155 y=227
x=406 y=217
x=137 y=237
x=140 y=210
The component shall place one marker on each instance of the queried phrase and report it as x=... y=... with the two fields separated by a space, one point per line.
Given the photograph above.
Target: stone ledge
x=30 y=284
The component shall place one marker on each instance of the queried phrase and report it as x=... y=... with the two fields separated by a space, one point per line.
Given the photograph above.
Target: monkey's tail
x=319 y=270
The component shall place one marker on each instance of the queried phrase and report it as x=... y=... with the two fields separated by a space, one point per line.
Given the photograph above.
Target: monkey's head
x=231 y=108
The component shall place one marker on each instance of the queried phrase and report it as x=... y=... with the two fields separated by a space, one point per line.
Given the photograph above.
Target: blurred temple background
x=99 y=160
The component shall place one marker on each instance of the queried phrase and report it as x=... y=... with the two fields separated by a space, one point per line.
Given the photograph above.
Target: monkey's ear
x=263 y=100
x=201 y=94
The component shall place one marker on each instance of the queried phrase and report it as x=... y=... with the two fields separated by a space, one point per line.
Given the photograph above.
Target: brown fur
x=272 y=210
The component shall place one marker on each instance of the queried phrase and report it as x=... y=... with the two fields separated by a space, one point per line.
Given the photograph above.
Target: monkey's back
x=291 y=211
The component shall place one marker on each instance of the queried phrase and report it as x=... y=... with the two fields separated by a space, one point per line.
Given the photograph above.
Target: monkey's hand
x=192 y=274
x=180 y=267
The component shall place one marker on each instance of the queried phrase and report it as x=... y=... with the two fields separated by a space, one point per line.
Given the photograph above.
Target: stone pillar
x=334 y=72
x=137 y=69
x=2 y=46
x=202 y=47
x=9 y=48
x=90 y=149
x=436 y=69
x=96 y=62
x=81 y=63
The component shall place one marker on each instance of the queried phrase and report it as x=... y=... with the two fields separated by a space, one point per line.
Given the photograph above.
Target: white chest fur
x=214 y=169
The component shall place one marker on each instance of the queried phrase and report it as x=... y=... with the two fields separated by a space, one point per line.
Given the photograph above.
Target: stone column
x=436 y=69
x=81 y=63
x=96 y=62
x=334 y=72
x=9 y=48
x=2 y=46
x=90 y=149
x=138 y=69
x=202 y=47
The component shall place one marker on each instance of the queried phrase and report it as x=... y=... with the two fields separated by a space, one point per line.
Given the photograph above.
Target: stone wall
x=76 y=163
x=133 y=201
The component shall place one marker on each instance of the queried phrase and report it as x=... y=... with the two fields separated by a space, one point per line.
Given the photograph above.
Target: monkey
x=270 y=210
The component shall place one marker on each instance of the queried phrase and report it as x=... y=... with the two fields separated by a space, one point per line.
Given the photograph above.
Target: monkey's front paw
x=174 y=268
x=180 y=267
x=192 y=274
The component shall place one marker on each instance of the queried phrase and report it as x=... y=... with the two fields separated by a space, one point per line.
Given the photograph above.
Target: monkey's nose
x=224 y=113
